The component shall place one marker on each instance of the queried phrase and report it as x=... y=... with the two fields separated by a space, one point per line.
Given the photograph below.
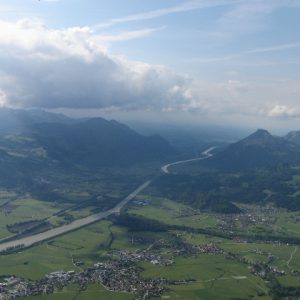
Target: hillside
x=293 y=136
x=98 y=142
x=16 y=121
x=260 y=149
x=37 y=138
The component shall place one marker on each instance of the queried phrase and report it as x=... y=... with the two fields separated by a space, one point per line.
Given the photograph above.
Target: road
x=30 y=240
x=206 y=154
x=40 y=237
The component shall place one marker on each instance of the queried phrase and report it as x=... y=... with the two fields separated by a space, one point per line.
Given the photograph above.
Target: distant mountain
x=34 y=144
x=294 y=137
x=98 y=142
x=16 y=121
x=260 y=149
x=190 y=138
x=12 y=169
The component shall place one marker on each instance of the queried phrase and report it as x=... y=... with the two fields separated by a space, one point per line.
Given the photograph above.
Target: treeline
x=201 y=192
x=12 y=249
x=22 y=226
x=279 y=291
x=135 y=223
x=216 y=191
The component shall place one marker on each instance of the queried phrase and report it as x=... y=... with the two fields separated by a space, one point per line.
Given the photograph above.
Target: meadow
x=91 y=293
x=210 y=276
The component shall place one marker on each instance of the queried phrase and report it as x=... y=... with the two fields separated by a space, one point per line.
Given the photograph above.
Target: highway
x=30 y=240
x=40 y=237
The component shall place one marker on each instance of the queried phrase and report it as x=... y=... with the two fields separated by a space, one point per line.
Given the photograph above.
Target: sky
x=220 y=62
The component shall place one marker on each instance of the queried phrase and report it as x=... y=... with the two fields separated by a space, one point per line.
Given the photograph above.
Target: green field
x=84 y=244
x=26 y=209
x=171 y=212
x=212 y=276
x=92 y=293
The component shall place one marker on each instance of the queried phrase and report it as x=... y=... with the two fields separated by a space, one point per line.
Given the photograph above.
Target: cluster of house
x=143 y=255
x=119 y=273
x=263 y=270
x=230 y=222
x=210 y=248
x=115 y=275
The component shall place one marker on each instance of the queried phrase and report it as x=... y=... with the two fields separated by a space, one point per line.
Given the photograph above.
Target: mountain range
x=33 y=140
x=39 y=149
x=98 y=142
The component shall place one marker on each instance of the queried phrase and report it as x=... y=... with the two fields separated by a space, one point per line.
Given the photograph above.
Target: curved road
x=31 y=240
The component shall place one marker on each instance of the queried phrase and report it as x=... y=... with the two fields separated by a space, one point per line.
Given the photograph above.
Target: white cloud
x=274 y=48
x=129 y=35
x=41 y=67
x=184 y=7
x=283 y=111
x=33 y=37
x=3 y=99
x=73 y=68
x=236 y=57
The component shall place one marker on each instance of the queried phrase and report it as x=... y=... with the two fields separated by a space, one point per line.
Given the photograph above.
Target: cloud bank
x=41 y=67
x=73 y=68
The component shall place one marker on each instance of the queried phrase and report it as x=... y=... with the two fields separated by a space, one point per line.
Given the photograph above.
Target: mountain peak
x=261 y=133
x=259 y=136
x=260 y=149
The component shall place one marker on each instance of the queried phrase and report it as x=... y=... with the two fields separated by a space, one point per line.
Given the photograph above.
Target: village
x=121 y=271
x=114 y=276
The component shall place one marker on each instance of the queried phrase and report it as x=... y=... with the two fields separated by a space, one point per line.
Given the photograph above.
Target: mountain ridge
x=293 y=136
x=92 y=143
x=259 y=149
